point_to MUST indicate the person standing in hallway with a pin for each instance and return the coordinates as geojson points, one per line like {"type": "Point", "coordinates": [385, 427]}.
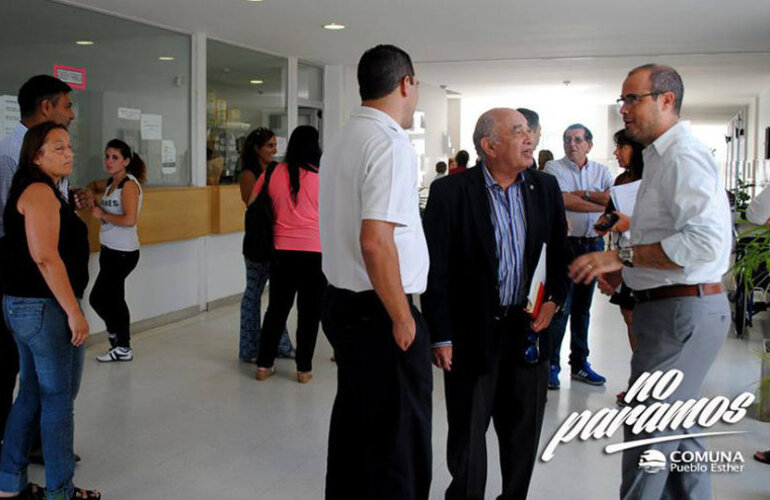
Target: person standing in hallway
{"type": "Point", "coordinates": [46, 273]}
{"type": "Point", "coordinates": [41, 98]}
{"type": "Point", "coordinates": [118, 210]}
{"type": "Point", "coordinates": [681, 237]}
{"type": "Point", "coordinates": [534, 130]}
{"type": "Point", "coordinates": [585, 186]}
{"type": "Point", "coordinates": [257, 154]}
{"type": "Point", "coordinates": [295, 269]}
{"type": "Point", "coordinates": [485, 230]}
{"type": "Point", "coordinates": [460, 162]}
{"type": "Point", "coordinates": [375, 258]}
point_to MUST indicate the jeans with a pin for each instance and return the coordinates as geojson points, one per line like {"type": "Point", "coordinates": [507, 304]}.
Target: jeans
{"type": "Point", "coordinates": [50, 372]}
{"type": "Point", "coordinates": [257, 274]}
{"type": "Point", "coordinates": [577, 305]}
{"type": "Point", "coordinates": [108, 297]}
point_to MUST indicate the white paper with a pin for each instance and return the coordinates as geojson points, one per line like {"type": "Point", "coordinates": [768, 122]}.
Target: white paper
{"type": "Point", "coordinates": [130, 114]}
{"type": "Point", "coordinates": [9, 114]}
{"type": "Point", "coordinates": [152, 127]}
{"type": "Point", "coordinates": [168, 157]}
{"type": "Point", "coordinates": [624, 197]}
{"type": "Point", "coordinates": [538, 282]}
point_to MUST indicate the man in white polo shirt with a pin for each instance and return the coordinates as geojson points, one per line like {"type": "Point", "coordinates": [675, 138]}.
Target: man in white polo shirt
{"type": "Point", "coordinates": [585, 188]}
{"type": "Point", "coordinates": [375, 258]}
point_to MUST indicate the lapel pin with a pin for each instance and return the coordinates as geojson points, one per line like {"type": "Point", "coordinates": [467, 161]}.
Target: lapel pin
{"type": "Point", "coordinates": [531, 187]}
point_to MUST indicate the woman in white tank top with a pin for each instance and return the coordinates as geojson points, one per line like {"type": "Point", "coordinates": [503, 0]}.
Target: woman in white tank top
{"type": "Point", "coordinates": [118, 210]}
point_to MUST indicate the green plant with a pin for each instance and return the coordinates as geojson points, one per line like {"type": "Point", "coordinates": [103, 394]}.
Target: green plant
{"type": "Point", "coordinates": [740, 195]}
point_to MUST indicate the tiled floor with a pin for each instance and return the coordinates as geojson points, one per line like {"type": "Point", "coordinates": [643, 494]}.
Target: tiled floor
{"type": "Point", "coordinates": [186, 420]}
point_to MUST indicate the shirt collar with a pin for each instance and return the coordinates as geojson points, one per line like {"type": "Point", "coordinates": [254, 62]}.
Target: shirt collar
{"type": "Point", "coordinates": [371, 113]}
{"type": "Point", "coordinates": [491, 182]}
{"type": "Point", "coordinates": [574, 165]}
{"type": "Point", "coordinates": [662, 143]}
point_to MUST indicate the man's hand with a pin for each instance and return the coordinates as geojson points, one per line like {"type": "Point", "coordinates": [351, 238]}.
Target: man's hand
{"type": "Point", "coordinates": [588, 267]}
{"type": "Point", "coordinates": [623, 224]}
{"type": "Point", "coordinates": [609, 282]}
{"type": "Point", "coordinates": [544, 317]}
{"type": "Point", "coordinates": [404, 332]}
{"type": "Point", "coordinates": [442, 357]}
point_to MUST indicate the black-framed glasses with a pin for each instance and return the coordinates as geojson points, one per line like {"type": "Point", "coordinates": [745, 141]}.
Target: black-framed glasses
{"type": "Point", "coordinates": [631, 99]}
{"type": "Point", "coordinates": [532, 350]}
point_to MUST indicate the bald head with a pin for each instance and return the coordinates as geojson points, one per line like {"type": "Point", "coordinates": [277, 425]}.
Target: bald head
{"type": "Point", "coordinates": [501, 139]}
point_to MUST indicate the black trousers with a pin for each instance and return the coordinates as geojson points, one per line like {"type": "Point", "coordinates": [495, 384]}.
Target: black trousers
{"type": "Point", "coordinates": [108, 296]}
{"type": "Point", "coordinates": [512, 394]}
{"type": "Point", "coordinates": [380, 432]}
{"type": "Point", "coordinates": [293, 273]}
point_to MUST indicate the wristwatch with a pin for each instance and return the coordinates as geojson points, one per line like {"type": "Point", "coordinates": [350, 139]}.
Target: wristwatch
{"type": "Point", "coordinates": [586, 196]}
{"type": "Point", "coordinates": [627, 256]}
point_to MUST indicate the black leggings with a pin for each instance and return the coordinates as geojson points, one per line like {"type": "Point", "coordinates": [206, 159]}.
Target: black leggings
{"type": "Point", "coordinates": [108, 297]}
{"type": "Point", "coordinates": [293, 273]}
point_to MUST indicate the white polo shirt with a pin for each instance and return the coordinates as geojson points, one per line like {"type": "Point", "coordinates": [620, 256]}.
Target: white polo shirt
{"type": "Point", "coordinates": [681, 204]}
{"type": "Point", "coordinates": [370, 172]}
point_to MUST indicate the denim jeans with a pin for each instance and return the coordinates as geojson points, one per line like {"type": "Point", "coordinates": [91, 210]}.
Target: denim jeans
{"type": "Point", "coordinates": [257, 274]}
{"type": "Point", "coordinates": [578, 306]}
{"type": "Point", "coordinates": [49, 375]}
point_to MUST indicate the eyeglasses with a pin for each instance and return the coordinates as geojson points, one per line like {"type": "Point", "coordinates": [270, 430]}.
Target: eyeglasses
{"type": "Point", "coordinates": [576, 140]}
{"type": "Point", "coordinates": [532, 351]}
{"type": "Point", "coordinates": [632, 99]}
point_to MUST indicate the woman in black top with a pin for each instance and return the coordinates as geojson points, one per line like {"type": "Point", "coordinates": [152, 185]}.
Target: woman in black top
{"type": "Point", "coordinates": [46, 272]}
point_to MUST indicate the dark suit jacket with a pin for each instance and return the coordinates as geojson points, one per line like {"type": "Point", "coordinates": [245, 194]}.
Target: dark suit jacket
{"type": "Point", "coordinates": [462, 295]}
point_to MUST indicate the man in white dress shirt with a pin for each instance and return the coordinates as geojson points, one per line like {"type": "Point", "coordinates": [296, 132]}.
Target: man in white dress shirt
{"type": "Point", "coordinates": [376, 258]}
{"type": "Point", "coordinates": [585, 188]}
{"type": "Point", "coordinates": [680, 248]}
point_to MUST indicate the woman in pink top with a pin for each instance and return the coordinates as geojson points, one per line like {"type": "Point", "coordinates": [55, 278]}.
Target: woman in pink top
{"type": "Point", "coordinates": [296, 265]}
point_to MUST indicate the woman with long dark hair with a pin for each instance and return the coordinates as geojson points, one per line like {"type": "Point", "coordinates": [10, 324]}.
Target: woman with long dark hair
{"type": "Point", "coordinates": [257, 155]}
{"type": "Point", "coordinates": [296, 266]}
{"type": "Point", "coordinates": [118, 210]}
{"type": "Point", "coordinates": [45, 275]}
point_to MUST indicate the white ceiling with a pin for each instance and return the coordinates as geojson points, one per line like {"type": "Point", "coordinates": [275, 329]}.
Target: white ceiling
{"type": "Point", "coordinates": [722, 48]}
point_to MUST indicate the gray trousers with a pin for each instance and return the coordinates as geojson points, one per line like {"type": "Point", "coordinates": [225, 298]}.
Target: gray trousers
{"type": "Point", "coordinates": [683, 333]}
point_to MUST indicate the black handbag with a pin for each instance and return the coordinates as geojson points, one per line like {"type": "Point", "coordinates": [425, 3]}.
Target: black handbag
{"type": "Point", "coordinates": [258, 222]}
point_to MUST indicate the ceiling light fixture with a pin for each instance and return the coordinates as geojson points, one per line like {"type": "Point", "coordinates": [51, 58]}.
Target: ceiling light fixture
{"type": "Point", "coordinates": [334, 26]}
{"type": "Point", "coordinates": [166, 58]}
{"type": "Point", "coordinates": [256, 82]}
{"type": "Point", "coordinates": [84, 42]}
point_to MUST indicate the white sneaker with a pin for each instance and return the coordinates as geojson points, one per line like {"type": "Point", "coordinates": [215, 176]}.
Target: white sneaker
{"type": "Point", "coordinates": [116, 354]}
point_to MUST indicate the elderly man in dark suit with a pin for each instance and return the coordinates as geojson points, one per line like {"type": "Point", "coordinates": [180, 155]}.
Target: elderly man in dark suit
{"type": "Point", "coordinates": [485, 229]}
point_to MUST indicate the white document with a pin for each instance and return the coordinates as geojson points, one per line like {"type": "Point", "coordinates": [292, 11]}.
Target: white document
{"type": "Point", "coordinates": [624, 197]}
{"type": "Point", "coordinates": [537, 287]}
{"type": "Point", "coordinates": [130, 114]}
{"type": "Point", "coordinates": [168, 157]}
{"type": "Point", "coordinates": [152, 127]}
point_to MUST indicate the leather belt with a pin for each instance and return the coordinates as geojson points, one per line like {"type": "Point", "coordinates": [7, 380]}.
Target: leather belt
{"type": "Point", "coordinates": [667, 292]}
{"type": "Point", "coordinates": [584, 240]}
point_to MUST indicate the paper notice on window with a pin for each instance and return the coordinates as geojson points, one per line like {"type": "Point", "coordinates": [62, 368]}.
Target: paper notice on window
{"type": "Point", "coordinates": [9, 114]}
{"type": "Point", "coordinates": [130, 114]}
{"type": "Point", "coordinates": [537, 287]}
{"type": "Point", "coordinates": [168, 157]}
{"type": "Point", "coordinates": [152, 127]}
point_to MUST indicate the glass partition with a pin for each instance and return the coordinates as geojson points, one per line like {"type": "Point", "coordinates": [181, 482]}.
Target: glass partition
{"type": "Point", "coordinates": [132, 82]}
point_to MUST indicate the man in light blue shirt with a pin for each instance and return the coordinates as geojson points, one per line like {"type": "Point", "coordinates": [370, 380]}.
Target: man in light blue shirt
{"type": "Point", "coordinates": [585, 187]}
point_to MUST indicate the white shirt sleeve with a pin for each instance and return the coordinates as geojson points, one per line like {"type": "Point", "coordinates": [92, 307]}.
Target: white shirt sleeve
{"type": "Point", "coordinates": [7, 169]}
{"type": "Point", "coordinates": [552, 168]}
{"type": "Point", "coordinates": [688, 188]}
{"type": "Point", "coordinates": [607, 180]}
{"type": "Point", "coordinates": [758, 210]}
{"type": "Point", "coordinates": [390, 184]}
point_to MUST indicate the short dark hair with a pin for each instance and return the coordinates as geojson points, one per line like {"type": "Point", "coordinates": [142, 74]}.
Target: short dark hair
{"type": "Point", "coordinates": [380, 70]}
{"type": "Point", "coordinates": [462, 157]}
{"type": "Point", "coordinates": [441, 167]}
{"type": "Point", "coordinates": [578, 126]}
{"type": "Point", "coordinates": [664, 79]}
{"type": "Point", "coordinates": [38, 89]}
{"type": "Point", "coordinates": [533, 119]}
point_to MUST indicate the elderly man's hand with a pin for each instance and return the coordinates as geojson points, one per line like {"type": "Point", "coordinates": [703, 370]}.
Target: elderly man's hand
{"type": "Point", "coordinates": [544, 316]}
{"type": "Point", "coordinates": [442, 357]}
{"type": "Point", "coordinates": [609, 282]}
{"type": "Point", "coordinates": [588, 267]}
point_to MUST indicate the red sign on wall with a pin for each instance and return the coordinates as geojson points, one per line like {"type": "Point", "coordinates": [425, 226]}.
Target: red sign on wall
{"type": "Point", "coordinates": [75, 77]}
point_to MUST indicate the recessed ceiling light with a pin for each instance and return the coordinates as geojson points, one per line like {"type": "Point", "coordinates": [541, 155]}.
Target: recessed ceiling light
{"type": "Point", "coordinates": [84, 42]}
{"type": "Point", "coordinates": [256, 82]}
{"type": "Point", "coordinates": [334, 26]}
{"type": "Point", "coordinates": [166, 58]}
{"type": "Point", "coordinates": [255, 0]}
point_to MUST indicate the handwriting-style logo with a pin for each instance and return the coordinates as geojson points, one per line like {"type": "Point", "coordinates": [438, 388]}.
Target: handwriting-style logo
{"type": "Point", "coordinates": [649, 411]}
